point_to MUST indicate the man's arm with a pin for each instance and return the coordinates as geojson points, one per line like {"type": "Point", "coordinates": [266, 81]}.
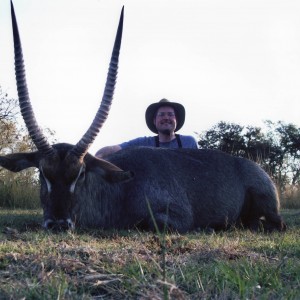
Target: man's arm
{"type": "Point", "coordinates": [105, 151]}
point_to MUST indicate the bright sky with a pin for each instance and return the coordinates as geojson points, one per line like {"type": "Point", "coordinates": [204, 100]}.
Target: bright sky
{"type": "Point", "coordinates": [233, 60]}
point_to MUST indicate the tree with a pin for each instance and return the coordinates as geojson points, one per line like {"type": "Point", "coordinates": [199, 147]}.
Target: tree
{"type": "Point", "coordinates": [224, 136]}
{"type": "Point", "coordinates": [286, 140]}
{"type": "Point", "coordinates": [8, 107]}
{"type": "Point", "coordinates": [249, 141]}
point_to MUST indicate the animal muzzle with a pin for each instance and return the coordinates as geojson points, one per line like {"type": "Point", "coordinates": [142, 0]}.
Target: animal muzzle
{"type": "Point", "coordinates": [59, 225]}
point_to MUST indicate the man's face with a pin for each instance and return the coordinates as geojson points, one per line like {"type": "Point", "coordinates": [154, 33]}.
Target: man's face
{"type": "Point", "coordinates": [165, 120]}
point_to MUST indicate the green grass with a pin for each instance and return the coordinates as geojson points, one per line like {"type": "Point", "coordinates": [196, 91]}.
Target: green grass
{"type": "Point", "coordinates": [97, 264]}
{"type": "Point", "coordinates": [14, 194]}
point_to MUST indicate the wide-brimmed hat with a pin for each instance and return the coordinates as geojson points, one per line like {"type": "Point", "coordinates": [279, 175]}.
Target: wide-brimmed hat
{"type": "Point", "coordinates": [152, 109]}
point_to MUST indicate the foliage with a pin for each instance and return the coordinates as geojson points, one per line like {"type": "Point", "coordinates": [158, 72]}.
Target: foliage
{"type": "Point", "coordinates": [97, 264]}
{"type": "Point", "coordinates": [8, 107]}
{"type": "Point", "coordinates": [8, 114]}
{"type": "Point", "coordinates": [277, 148]}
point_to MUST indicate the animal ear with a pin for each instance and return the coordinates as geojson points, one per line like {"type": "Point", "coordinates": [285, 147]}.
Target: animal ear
{"type": "Point", "coordinates": [118, 176]}
{"type": "Point", "coordinates": [17, 162]}
{"type": "Point", "coordinates": [95, 162]}
{"type": "Point", "coordinates": [110, 171]}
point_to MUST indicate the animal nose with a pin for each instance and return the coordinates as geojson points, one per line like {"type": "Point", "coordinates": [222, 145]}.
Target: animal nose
{"type": "Point", "coordinates": [59, 225]}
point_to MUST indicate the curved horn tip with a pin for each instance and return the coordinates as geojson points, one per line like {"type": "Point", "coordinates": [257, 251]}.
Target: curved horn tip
{"type": "Point", "coordinates": [12, 7]}
{"type": "Point", "coordinates": [122, 13]}
{"type": "Point", "coordinates": [12, 10]}
{"type": "Point", "coordinates": [80, 149]}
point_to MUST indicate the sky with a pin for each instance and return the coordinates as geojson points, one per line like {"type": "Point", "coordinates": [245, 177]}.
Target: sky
{"type": "Point", "coordinates": [235, 61]}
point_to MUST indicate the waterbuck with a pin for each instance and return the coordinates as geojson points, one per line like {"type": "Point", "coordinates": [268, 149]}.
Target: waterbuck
{"type": "Point", "coordinates": [181, 189]}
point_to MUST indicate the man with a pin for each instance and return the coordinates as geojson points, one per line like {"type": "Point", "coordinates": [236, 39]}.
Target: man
{"type": "Point", "coordinates": [163, 118]}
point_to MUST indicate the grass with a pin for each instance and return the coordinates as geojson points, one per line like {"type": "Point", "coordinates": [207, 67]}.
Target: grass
{"type": "Point", "coordinates": [97, 264]}
{"type": "Point", "coordinates": [14, 194]}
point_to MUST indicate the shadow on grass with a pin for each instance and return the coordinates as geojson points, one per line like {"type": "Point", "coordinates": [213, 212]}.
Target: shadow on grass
{"type": "Point", "coordinates": [20, 219]}
{"type": "Point", "coordinates": [31, 220]}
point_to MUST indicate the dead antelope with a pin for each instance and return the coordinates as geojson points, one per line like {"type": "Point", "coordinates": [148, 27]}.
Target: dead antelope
{"type": "Point", "coordinates": [182, 189]}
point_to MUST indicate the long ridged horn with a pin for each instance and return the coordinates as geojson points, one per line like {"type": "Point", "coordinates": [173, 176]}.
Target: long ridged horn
{"type": "Point", "coordinates": [35, 132]}
{"type": "Point", "coordinates": [82, 146]}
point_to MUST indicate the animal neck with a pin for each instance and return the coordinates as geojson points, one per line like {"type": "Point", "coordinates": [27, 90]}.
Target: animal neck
{"type": "Point", "coordinates": [101, 207]}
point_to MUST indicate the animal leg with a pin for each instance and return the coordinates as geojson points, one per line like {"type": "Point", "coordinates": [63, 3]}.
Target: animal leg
{"type": "Point", "coordinates": [260, 211]}
{"type": "Point", "coordinates": [273, 221]}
